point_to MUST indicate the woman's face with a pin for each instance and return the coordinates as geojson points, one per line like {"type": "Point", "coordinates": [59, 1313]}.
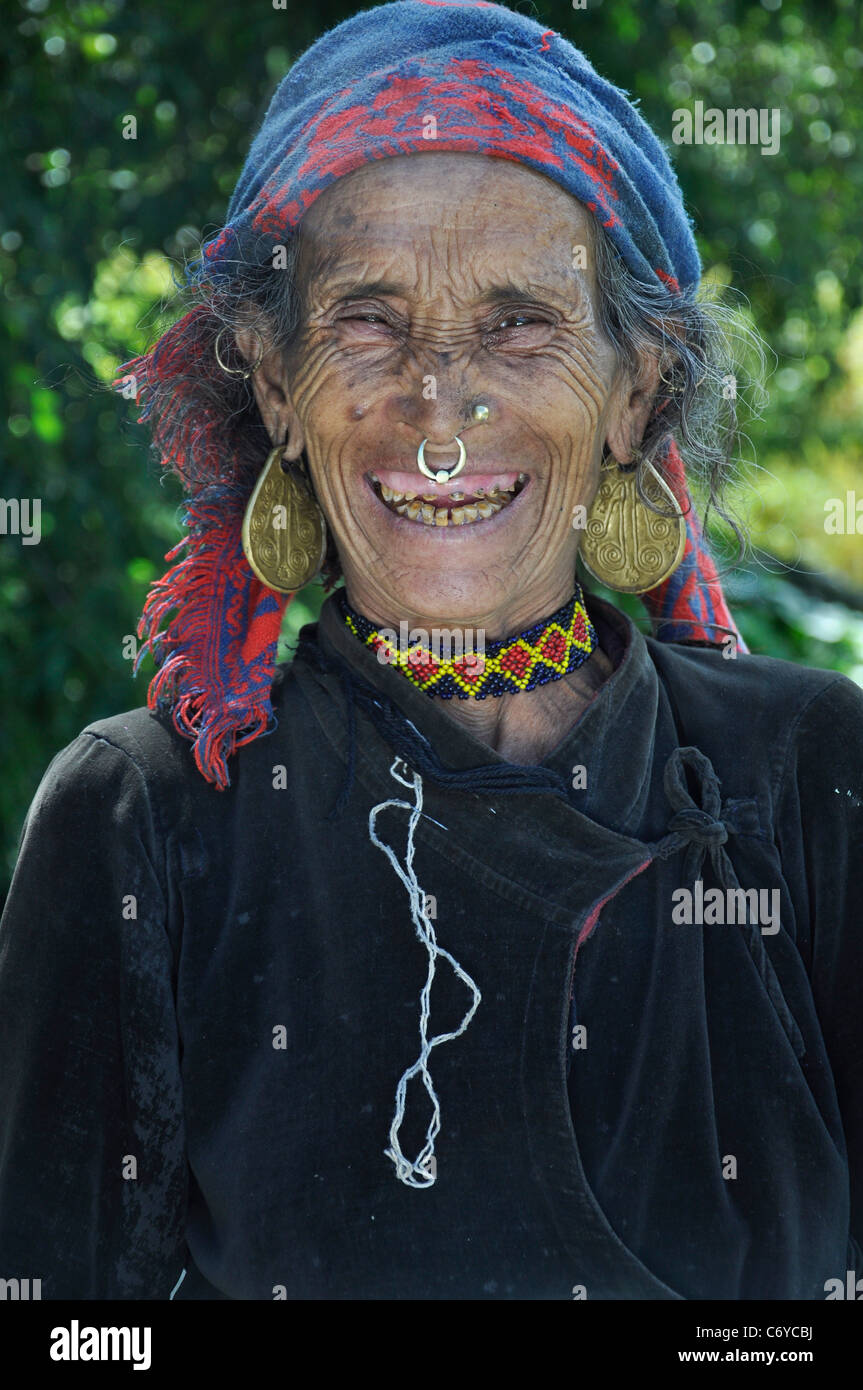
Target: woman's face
{"type": "Point", "coordinates": [429, 282]}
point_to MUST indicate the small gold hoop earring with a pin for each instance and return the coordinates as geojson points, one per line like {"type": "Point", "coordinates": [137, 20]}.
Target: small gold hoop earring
{"type": "Point", "coordinates": [243, 372]}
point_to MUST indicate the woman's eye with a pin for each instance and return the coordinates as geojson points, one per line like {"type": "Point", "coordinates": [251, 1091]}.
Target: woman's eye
{"type": "Point", "coordinates": [366, 325]}
{"type": "Point", "coordinates": [363, 316]}
{"type": "Point", "coordinates": [520, 328]}
{"type": "Point", "coordinates": [516, 321]}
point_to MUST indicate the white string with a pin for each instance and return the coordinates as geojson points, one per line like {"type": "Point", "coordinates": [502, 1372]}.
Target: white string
{"type": "Point", "coordinates": [422, 1171]}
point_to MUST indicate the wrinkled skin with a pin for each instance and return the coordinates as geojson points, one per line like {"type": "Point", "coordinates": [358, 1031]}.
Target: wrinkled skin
{"type": "Point", "coordinates": [457, 268]}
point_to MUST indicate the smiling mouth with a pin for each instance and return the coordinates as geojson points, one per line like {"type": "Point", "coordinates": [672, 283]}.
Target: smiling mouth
{"type": "Point", "coordinates": [458, 503]}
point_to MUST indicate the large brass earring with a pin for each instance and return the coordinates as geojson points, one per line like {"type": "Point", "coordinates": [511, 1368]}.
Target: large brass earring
{"type": "Point", "coordinates": [626, 545]}
{"type": "Point", "coordinates": [284, 531]}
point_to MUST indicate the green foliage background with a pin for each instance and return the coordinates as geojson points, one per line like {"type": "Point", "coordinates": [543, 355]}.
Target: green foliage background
{"type": "Point", "coordinates": [92, 222]}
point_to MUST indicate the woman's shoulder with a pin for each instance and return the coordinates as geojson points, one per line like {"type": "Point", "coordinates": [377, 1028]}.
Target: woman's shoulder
{"type": "Point", "coordinates": [765, 685]}
{"type": "Point", "coordinates": [141, 751]}
{"type": "Point", "coordinates": [749, 706]}
{"type": "Point", "coordinates": [138, 740]}
{"type": "Point", "coordinates": [129, 767]}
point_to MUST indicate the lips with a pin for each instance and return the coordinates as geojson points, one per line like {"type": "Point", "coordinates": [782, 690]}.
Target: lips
{"type": "Point", "coordinates": [463, 501]}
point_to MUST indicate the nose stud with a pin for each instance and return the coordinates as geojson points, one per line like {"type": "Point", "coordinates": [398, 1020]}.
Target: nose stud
{"type": "Point", "coordinates": [480, 414]}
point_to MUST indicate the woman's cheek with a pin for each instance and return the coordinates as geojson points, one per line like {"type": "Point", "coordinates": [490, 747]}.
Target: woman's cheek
{"type": "Point", "coordinates": [334, 396]}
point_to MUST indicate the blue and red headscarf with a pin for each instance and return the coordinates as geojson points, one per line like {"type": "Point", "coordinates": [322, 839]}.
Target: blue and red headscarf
{"type": "Point", "coordinates": [495, 83]}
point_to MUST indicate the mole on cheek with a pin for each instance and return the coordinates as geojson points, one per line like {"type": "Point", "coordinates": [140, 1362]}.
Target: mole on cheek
{"type": "Point", "coordinates": [357, 412]}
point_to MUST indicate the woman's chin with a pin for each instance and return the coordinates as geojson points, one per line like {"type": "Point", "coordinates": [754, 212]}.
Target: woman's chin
{"type": "Point", "coordinates": [452, 573]}
{"type": "Point", "coordinates": [431, 605]}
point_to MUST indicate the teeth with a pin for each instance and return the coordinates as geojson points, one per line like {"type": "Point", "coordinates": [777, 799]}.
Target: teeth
{"type": "Point", "coordinates": [421, 506]}
{"type": "Point", "coordinates": [488, 503]}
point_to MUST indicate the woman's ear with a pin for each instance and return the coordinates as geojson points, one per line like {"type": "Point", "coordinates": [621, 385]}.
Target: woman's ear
{"type": "Point", "coordinates": [272, 391]}
{"type": "Point", "coordinates": [631, 408]}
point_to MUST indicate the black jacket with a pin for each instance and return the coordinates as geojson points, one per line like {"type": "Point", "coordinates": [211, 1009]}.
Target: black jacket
{"type": "Point", "coordinates": [208, 999]}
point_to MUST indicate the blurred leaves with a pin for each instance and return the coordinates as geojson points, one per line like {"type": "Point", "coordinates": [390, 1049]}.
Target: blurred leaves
{"type": "Point", "coordinates": [125, 128]}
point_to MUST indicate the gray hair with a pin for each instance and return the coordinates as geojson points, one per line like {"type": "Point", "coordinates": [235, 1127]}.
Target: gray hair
{"type": "Point", "coordinates": [710, 359]}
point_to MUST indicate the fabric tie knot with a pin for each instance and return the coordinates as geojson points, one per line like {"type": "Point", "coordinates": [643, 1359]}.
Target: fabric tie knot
{"type": "Point", "coordinates": [699, 827]}
{"type": "Point", "coordinates": [700, 830]}
{"type": "Point", "coordinates": [704, 830]}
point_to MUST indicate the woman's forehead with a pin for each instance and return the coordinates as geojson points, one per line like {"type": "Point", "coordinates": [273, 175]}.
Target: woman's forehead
{"type": "Point", "coordinates": [440, 185]}
{"type": "Point", "coordinates": [445, 210]}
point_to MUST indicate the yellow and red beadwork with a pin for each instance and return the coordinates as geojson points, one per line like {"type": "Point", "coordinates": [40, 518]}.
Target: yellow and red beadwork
{"type": "Point", "coordinates": [545, 652]}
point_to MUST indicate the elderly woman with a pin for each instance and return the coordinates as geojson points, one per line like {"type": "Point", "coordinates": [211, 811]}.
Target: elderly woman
{"type": "Point", "coordinates": [519, 959]}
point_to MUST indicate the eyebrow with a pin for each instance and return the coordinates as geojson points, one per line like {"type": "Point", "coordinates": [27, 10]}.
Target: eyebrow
{"type": "Point", "coordinates": [503, 293]}
{"type": "Point", "coordinates": [367, 289]}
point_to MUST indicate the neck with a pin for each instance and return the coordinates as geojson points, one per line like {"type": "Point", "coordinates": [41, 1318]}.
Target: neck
{"type": "Point", "coordinates": [511, 614]}
{"type": "Point", "coordinates": [523, 724]}
{"type": "Point", "coordinates": [525, 728]}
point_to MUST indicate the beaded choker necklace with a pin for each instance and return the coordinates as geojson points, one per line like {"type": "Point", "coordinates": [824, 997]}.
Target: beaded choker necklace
{"type": "Point", "coordinates": [545, 652]}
